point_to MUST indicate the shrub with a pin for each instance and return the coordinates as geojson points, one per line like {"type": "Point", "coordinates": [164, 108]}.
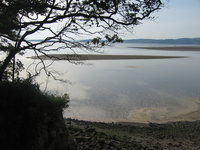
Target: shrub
{"type": "Point", "coordinates": [30, 119]}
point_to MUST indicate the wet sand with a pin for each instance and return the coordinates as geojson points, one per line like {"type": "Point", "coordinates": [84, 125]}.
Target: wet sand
{"type": "Point", "coordinates": [100, 57]}
{"type": "Point", "coordinates": [171, 48]}
{"type": "Point", "coordinates": [191, 116]}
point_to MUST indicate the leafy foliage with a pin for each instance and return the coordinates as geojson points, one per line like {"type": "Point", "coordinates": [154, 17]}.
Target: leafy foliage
{"type": "Point", "coordinates": [8, 73]}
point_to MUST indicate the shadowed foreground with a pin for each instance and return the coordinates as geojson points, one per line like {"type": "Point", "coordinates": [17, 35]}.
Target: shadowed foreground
{"type": "Point", "coordinates": [31, 120]}
{"type": "Point", "coordinates": [112, 136]}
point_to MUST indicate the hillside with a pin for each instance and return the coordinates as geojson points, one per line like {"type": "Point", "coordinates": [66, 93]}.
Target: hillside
{"type": "Point", "coordinates": [195, 41]}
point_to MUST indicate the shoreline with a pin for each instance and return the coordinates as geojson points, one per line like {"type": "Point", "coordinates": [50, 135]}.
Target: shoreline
{"type": "Point", "coordinates": [192, 116]}
{"type": "Point", "coordinates": [100, 135]}
{"type": "Point", "coordinates": [81, 57]}
{"type": "Point", "coordinates": [136, 124]}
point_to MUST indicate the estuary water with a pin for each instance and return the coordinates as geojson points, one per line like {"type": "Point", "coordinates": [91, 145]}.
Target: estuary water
{"type": "Point", "coordinates": [137, 90]}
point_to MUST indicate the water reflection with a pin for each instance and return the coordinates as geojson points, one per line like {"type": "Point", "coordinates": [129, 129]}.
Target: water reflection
{"type": "Point", "coordinates": [131, 90]}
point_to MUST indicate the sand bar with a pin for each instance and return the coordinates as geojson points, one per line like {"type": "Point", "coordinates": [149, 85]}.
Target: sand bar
{"type": "Point", "coordinates": [172, 48]}
{"type": "Point", "coordinates": [100, 57]}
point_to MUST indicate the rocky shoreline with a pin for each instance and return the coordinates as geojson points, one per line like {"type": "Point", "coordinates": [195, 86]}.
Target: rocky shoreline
{"type": "Point", "coordinates": [118, 136]}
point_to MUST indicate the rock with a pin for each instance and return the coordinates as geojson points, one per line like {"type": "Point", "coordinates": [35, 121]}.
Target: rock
{"type": "Point", "coordinates": [91, 130]}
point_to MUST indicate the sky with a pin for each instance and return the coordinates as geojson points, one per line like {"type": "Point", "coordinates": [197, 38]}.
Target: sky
{"type": "Point", "coordinates": [178, 19]}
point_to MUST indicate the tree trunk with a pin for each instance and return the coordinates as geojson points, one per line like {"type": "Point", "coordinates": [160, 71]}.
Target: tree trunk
{"type": "Point", "coordinates": [13, 69]}
{"type": "Point", "coordinates": [6, 62]}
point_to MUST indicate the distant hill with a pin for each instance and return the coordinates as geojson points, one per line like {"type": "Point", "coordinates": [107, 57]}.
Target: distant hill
{"type": "Point", "coordinates": [195, 41]}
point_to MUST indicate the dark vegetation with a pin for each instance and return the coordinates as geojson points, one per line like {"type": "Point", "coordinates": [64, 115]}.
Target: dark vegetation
{"type": "Point", "coordinates": [30, 119]}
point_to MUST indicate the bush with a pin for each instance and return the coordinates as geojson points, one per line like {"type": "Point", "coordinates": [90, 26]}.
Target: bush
{"type": "Point", "coordinates": [30, 119]}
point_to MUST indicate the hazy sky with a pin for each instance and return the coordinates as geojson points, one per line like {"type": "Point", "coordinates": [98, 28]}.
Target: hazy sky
{"type": "Point", "coordinates": [178, 19]}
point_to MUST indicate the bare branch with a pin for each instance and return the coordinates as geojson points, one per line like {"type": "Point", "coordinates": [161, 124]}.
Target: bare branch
{"type": "Point", "coordinates": [60, 21]}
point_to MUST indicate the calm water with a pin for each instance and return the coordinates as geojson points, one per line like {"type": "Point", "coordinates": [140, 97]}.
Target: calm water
{"type": "Point", "coordinates": [156, 90]}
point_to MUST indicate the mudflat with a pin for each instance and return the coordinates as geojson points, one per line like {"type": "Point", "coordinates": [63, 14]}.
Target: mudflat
{"type": "Point", "coordinates": [100, 57]}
